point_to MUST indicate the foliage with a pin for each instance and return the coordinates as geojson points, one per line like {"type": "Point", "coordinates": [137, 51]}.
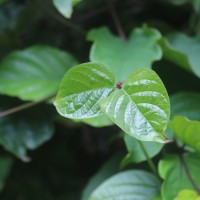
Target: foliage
{"type": "Point", "coordinates": [105, 91]}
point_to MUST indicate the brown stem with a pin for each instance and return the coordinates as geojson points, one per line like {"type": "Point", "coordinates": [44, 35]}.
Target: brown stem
{"type": "Point", "coordinates": [23, 107]}
{"type": "Point", "coordinates": [116, 20]}
{"type": "Point", "coordinates": [196, 187]}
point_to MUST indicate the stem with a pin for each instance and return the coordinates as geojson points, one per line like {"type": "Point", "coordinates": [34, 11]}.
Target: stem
{"type": "Point", "coordinates": [116, 21]}
{"type": "Point", "coordinates": [23, 107]}
{"type": "Point", "coordinates": [188, 174]}
{"type": "Point", "coordinates": [150, 162]}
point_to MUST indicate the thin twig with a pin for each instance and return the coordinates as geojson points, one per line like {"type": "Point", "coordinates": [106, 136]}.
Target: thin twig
{"type": "Point", "coordinates": [196, 187]}
{"type": "Point", "coordinates": [23, 107]}
{"type": "Point", "coordinates": [116, 20]}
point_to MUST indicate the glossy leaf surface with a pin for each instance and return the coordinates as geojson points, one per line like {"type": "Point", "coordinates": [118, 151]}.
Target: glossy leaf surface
{"type": "Point", "coordinates": [65, 7]}
{"type": "Point", "coordinates": [141, 108]}
{"type": "Point", "coordinates": [25, 130]}
{"type": "Point", "coordinates": [81, 90]}
{"type": "Point", "coordinates": [183, 51]}
{"type": "Point", "coordinates": [124, 57]}
{"type": "Point", "coordinates": [172, 170]}
{"type": "Point", "coordinates": [34, 73]}
{"type": "Point", "coordinates": [135, 184]}
{"type": "Point", "coordinates": [187, 131]}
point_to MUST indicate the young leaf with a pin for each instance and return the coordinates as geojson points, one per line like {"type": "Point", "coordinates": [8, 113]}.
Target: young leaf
{"type": "Point", "coordinates": [65, 7]}
{"type": "Point", "coordinates": [124, 57]}
{"type": "Point", "coordinates": [135, 152]}
{"type": "Point", "coordinates": [187, 195]}
{"type": "Point", "coordinates": [188, 132]}
{"type": "Point", "coordinates": [141, 108]}
{"type": "Point", "coordinates": [183, 51]}
{"type": "Point", "coordinates": [134, 184]}
{"type": "Point", "coordinates": [81, 90]}
{"type": "Point", "coordinates": [34, 73]}
{"type": "Point", "coordinates": [172, 170]}
{"type": "Point", "coordinates": [25, 130]}
{"type": "Point", "coordinates": [186, 104]}
{"type": "Point", "coordinates": [5, 167]}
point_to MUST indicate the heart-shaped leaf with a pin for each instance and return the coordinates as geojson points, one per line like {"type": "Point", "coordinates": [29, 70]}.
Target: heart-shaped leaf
{"type": "Point", "coordinates": [34, 73]}
{"type": "Point", "coordinates": [135, 184]}
{"type": "Point", "coordinates": [187, 131]}
{"type": "Point", "coordinates": [183, 51]}
{"type": "Point", "coordinates": [81, 90]}
{"type": "Point", "coordinates": [124, 57]}
{"type": "Point", "coordinates": [141, 108]}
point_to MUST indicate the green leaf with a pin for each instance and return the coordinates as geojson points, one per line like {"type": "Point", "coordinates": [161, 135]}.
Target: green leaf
{"type": "Point", "coordinates": [141, 108]}
{"type": "Point", "coordinates": [81, 90]}
{"type": "Point", "coordinates": [178, 2]}
{"type": "Point", "coordinates": [135, 152]}
{"type": "Point", "coordinates": [196, 5]}
{"type": "Point", "coordinates": [25, 130]}
{"type": "Point", "coordinates": [172, 170]}
{"type": "Point", "coordinates": [186, 104]}
{"type": "Point", "coordinates": [188, 132]}
{"type": "Point", "coordinates": [107, 170]}
{"type": "Point", "coordinates": [65, 7]}
{"type": "Point", "coordinates": [34, 73]}
{"type": "Point", "coordinates": [187, 195]}
{"type": "Point", "coordinates": [100, 121]}
{"type": "Point", "coordinates": [183, 51]}
{"type": "Point", "coordinates": [134, 184]}
{"type": "Point", "coordinates": [5, 167]}
{"type": "Point", "coordinates": [124, 57]}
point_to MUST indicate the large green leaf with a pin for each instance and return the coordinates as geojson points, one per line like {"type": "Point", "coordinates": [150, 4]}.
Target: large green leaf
{"type": "Point", "coordinates": [135, 152]}
{"type": "Point", "coordinates": [173, 172]}
{"type": "Point", "coordinates": [135, 184]}
{"type": "Point", "coordinates": [124, 57]}
{"type": "Point", "coordinates": [186, 104]}
{"type": "Point", "coordinates": [81, 90]}
{"type": "Point", "coordinates": [34, 73]}
{"type": "Point", "coordinates": [141, 108]}
{"type": "Point", "coordinates": [107, 170]}
{"type": "Point", "coordinates": [183, 51]}
{"type": "Point", "coordinates": [25, 130]}
{"type": "Point", "coordinates": [65, 7]}
{"type": "Point", "coordinates": [187, 131]}
{"type": "Point", "coordinates": [5, 167]}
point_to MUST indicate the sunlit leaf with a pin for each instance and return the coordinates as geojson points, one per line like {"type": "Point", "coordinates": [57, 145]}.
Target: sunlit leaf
{"type": "Point", "coordinates": [81, 90]}
{"type": "Point", "coordinates": [187, 195]}
{"type": "Point", "coordinates": [124, 57]}
{"type": "Point", "coordinates": [141, 108]}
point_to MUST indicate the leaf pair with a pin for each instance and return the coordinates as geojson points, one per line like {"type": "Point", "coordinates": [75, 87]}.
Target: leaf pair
{"type": "Point", "coordinates": [140, 107]}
